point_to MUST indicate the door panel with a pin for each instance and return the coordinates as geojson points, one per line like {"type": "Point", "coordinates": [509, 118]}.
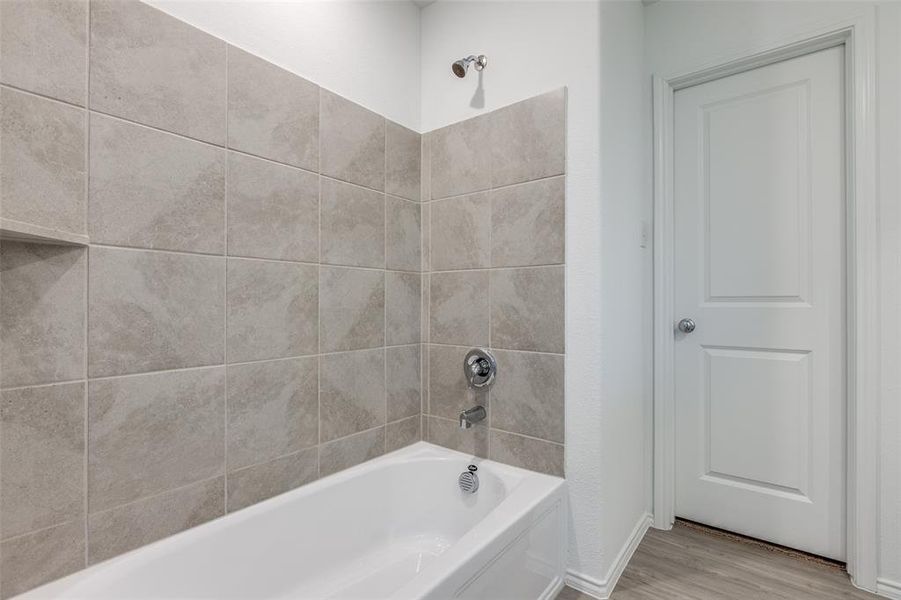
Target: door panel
{"type": "Point", "coordinates": [759, 258]}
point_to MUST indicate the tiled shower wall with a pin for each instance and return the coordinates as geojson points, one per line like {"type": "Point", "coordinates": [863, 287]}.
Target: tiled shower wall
{"type": "Point", "coordinates": [246, 316]}
{"type": "Point", "coordinates": [493, 254]}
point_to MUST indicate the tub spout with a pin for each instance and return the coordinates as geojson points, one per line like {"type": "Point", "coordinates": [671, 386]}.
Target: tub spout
{"type": "Point", "coordinates": [472, 415]}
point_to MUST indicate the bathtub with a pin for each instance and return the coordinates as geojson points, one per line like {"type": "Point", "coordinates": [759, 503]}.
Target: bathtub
{"type": "Point", "coordinates": [397, 527]}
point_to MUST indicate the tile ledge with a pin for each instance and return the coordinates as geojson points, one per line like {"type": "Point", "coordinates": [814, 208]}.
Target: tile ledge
{"type": "Point", "coordinates": [17, 231]}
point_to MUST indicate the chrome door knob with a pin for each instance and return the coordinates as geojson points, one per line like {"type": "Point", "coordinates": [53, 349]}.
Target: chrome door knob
{"type": "Point", "coordinates": [686, 326]}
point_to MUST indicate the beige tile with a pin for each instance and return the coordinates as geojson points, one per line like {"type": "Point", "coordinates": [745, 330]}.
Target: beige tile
{"type": "Point", "coordinates": [352, 450]}
{"type": "Point", "coordinates": [458, 308]}
{"type": "Point", "coordinates": [151, 433]}
{"type": "Point", "coordinates": [448, 433]}
{"type": "Point", "coordinates": [528, 139]}
{"type": "Point", "coordinates": [273, 409]}
{"type": "Point", "coordinates": [403, 247]}
{"type": "Point", "coordinates": [403, 296]}
{"type": "Point", "coordinates": [137, 524]}
{"type": "Point", "coordinates": [351, 308]}
{"type": "Point", "coordinates": [273, 210]}
{"type": "Point", "coordinates": [527, 309]}
{"type": "Point", "coordinates": [41, 457]}
{"type": "Point", "coordinates": [426, 168]}
{"type": "Point", "coordinates": [272, 309]}
{"type": "Point", "coordinates": [426, 219]}
{"type": "Point", "coordinates": [460, 232]}
{"type": "Point", "coordinates": [149, 67]}
{"type": "Point", "coordinates": [259, 482]}
{"type": "Point", "coordinates": [41, 313]}
{"type": "Point", "coordinates": [43, 47]}
{"type": "Point", "coordinates": [424, 378]}
{"type": "Point", "coordinates": [528, 398]}
{"type": "Point", "coordinates": [528, 453]}
{"type": "Point", "coordinates": [352, 142]}
{"type": "Point", "coordinates": [402, 161]}
{"type": "Point", "coordinates": [449, 392]}
{"type": "Point", "coordinates": [152, 189]}
{"type": "Point", "coordinates": [352, 393]}
{"type": "Point", "coordinates": [271, 112]}
{"type": "Point", "coordinates": [150, 311]}
{"type": "Point", "coordinates": [403, 433]}
{"type": "Point", "coordinates": [37, 558]}
{"type": "Point", "coordinates": [353, 225]}
{"type": "Point", "coordinates": [42, 169]}
{"type": "Point", "coordinates": [527, 224]}
{"type": "Point", "coordinates": [425, 310]}
{"type": "Point", "coordinates": [460, 158]}
{"type": "Point", "coordinates": [403, 381]}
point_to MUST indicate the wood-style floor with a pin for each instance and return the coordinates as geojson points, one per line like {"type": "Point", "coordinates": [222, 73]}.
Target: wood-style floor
{"type": "Point", "coordinates": [691, 562]}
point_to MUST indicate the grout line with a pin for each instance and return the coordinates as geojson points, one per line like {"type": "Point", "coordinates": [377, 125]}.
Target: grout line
{"type": "Point", "coordinates": [513, 268]}
{"type": "Point", "coordinates": [34, 94]}
{"type": "Point", "coordinates": [87, 287]}
{"type": "Point", "coordinates": [496, 188]}
{"type": "Point", "coordinates": [464, 346]}
{"type": "Point", "coordinates": [225, 302]}
{"type": "Point", "coordinates": [275, 458]}
{"type": "Point", "coordinates": [319, 288]}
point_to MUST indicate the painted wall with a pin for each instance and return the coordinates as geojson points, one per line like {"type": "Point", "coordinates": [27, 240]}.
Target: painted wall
{"type": "Point", "coordinates": [685, 36]}
{"type": "Point", "coordinates": [367, 52]}
{"type": "Point", "coordinates": [534, 47]}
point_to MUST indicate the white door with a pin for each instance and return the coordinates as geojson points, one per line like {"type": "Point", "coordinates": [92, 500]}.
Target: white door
{"type": "Point", "coordinates": [759, 267]}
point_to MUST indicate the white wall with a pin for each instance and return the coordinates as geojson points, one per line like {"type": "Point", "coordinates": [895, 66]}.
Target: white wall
{"type": "Point", "coordinates": [534, 47]}
{"type": "Point", "coordinates": [685, 36]}
{"type": "Point", "coordinates": [367, 52]}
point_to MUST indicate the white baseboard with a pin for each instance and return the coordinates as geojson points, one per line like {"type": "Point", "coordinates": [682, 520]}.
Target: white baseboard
{"type": "Point", "coordinates": [603, 588]}
{"type": "Point", "coordinates": [888, 588]}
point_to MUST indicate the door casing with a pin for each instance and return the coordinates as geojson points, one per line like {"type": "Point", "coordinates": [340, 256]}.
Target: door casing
{"type": "Point", "coordinates": [861, 262]}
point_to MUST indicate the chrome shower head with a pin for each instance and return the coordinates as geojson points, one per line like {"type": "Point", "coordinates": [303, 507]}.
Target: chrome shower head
{"type": "Point", "coordinates": [461, 66]}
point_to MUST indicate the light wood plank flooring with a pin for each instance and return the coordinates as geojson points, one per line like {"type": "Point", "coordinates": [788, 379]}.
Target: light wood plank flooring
{"type": "Point", "coordinates": [691, 562]}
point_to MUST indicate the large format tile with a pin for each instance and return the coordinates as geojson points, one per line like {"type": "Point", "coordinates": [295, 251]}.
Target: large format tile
{"type": "Point", "coordinates": [403, 297]}
{"type": "Point", "coordinates": [152, 189]}
{"type": "Point", "coordinates": [151, 311]}
{"type": "Point", "coordinates": [353, 225]}
{"type": "Point", "coordinates": [124, 528]}
{"type": "Point", "coordinates": [351, 309]}
{"type": "Point", "coordinates": [460, 232]}
{"type": "Point", "coordinates": [271, 112]}
{"type": "Point", "coordinates": [257, 483]}
{"type": "Point", "coordinates": [528, 453]}
{"type": "Point", "coordinates": [403, 433]}
{"type": "Point", "coordinates": [149, 67]}
{"type": "Point", "coordinates": [402, 374]}
{"type": "Point", "coordinates": [402, 162]}
{"type": "Point", "coordinates": [352, 450]}
{"type": "Point", "coordinates": [41, 457]}
{"type": "Point", "coordinates": [43, 47]}
{"type": "Point", "coordinates": [527, 224]}
{"type": "Point", "coordinates": [272, 309]}
{"type": "Point", "coordinates": [447, 433]}
{"type": "Point", "coordinates": [403, 244]}
{"type": "Point", "coordinates": [153, 433]}
{"type": "Point", "coordinates": [41, 313]}
{"type": "Point", "coordinates": [449, 392]}
{"type": "Point", "coordinates": [460, 158]}
{"type": "Point", "coordinates": [37, 558]}
{"type": "Point", "coordinates": [352, 393]}
{"type": "Point", "coordinates": [528, 139]}
{"type": "Point", "coordinates": [458, 310]}
{"type": "Point", "coordinates": [42, 168]}
{"type": "Point", "coordinates": [273, 210]}
{"type": "Point", "coordinates": [528, 399]}
{"type": "Point", "coordinates": [273, 409]}
{"type": "Point", "coordinates": [527, 309]}
{"type": "Point", "coordinates": [352, 142]}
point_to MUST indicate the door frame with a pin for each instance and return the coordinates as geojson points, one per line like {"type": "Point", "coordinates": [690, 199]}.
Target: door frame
{"type": "Point", "coordinates": [862, 352]}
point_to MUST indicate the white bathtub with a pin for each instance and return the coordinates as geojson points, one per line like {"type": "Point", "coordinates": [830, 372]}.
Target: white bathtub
{"type": "Point", "coordinates": [396, 527]}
